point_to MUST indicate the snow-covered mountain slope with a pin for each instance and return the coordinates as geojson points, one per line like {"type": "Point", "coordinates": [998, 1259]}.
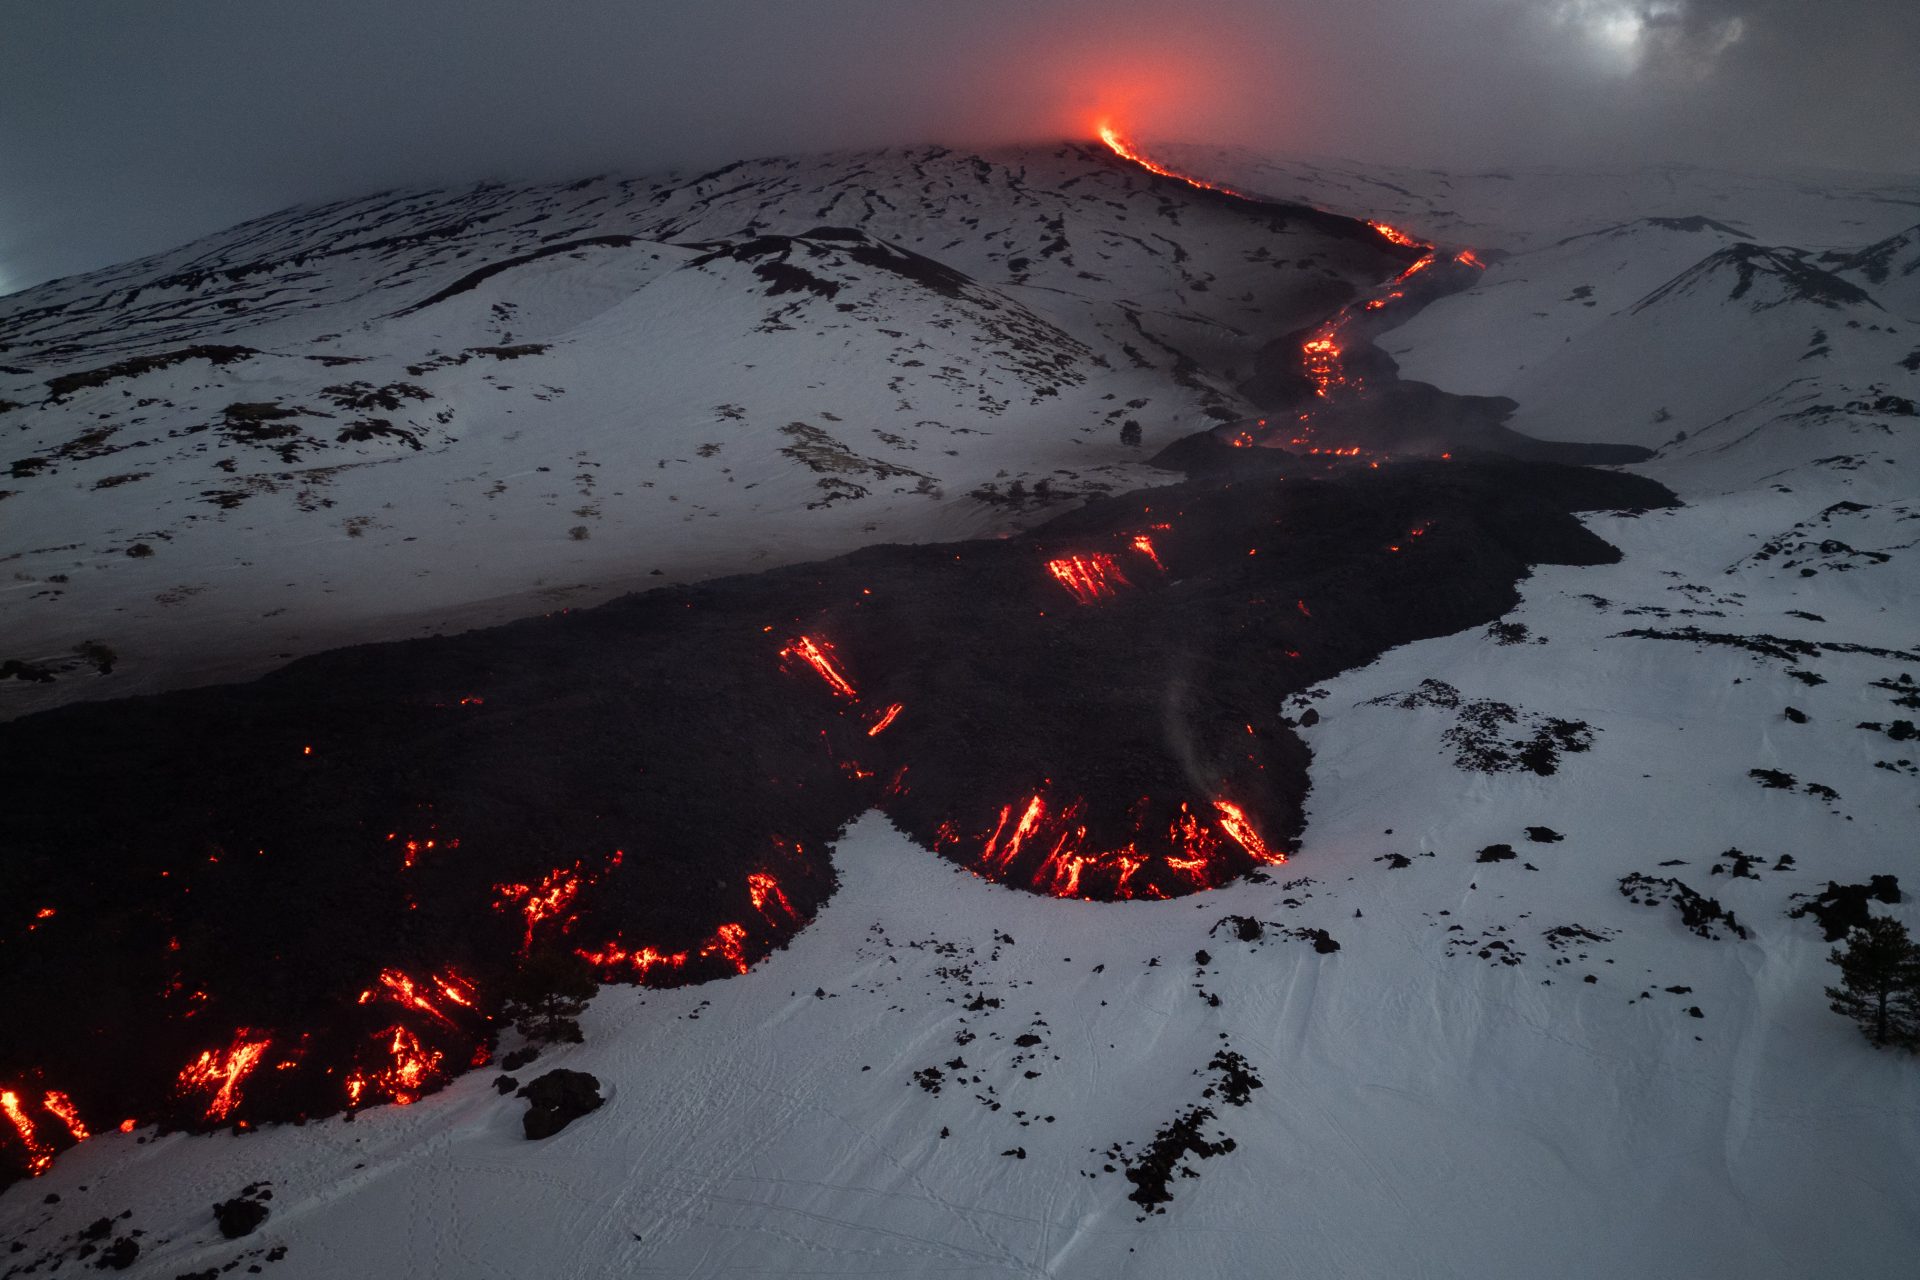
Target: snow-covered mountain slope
{"type": "Point", "coordinates": [1518, 209]}
{"type": "Point", "coordinates": [1572, 1026]}
{"type": "Point", "coordinates": [944, 1077]}
{"type": "Point", "coordinates": [447, 407]}
{"type": "Point", "coordinates": [1889, 269]}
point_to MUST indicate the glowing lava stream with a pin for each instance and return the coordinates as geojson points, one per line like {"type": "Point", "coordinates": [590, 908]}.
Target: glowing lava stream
{"type": "Point", "coordinates": [1124, 148]}
{"type": "Point", "coordinates": [1321, 352]}
{"type": "Point", "coordinates": [39, 1153]}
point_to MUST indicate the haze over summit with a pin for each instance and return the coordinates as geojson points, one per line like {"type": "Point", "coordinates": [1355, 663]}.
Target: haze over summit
{"type": "Point", "coordinates": [130, 128]}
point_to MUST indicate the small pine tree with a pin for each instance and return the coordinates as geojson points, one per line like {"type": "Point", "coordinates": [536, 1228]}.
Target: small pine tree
{"type": "Point", "coordinates": [1880, 983]}
{"type": "Point", "coordinates": [548, 993]}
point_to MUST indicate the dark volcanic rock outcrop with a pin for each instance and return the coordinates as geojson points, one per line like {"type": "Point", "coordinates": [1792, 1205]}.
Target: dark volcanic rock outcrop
{"type": "Point", "coordinates": [557, 1099]}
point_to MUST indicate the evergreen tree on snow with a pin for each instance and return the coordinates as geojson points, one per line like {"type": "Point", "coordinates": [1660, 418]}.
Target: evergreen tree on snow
{"type": "Point", "coordinates": [1880, 983]}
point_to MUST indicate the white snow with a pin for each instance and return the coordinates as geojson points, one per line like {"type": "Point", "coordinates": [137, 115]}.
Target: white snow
{"type": "Point", "coordinates": [1421, 1114]}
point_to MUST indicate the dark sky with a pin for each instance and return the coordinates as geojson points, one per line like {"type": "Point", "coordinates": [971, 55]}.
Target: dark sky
{"type": "Point", "coordinates": [129, 126]}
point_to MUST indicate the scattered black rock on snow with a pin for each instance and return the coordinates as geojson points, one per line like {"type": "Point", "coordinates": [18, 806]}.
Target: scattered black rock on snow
{"type": "Point", "coordinates": [1842, 907]}
{"type": "Point", "coordinates": [1479, 737]}
{"type": "Point", "coordinates": [558, 1098]}
{"type": "Point", "coordinates": [242, 1215]}
{"type": "Point", "coordinates": [1698, 912]}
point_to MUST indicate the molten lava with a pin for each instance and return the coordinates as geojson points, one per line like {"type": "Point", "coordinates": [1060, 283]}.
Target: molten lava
{"type": "Point", "coordinates": [62, 1106]}
{"type": "Point", "coordinates": [729, 941]}
{"type": "Point", "coordinates": [217, 1073]}
{"type": "Point", "coordinates": [1233, 821]}
{"type": "Point", "coordinates": [1144, 545]}
{"type": "Point", "coordinates": [1415, 269]}
{"type": "Point", "coordinates": [411, 1067]}
{"type": "Point", "coordinates": [1088, 578]}
{"type": "Point", "coordinates": [402, 990]}
{"type": "Point", "coordinates": [611, 958]}
{"type": "Point", "coordinates": [818, 654]}
{"type": "Point", "coordinates": [1323, 367]}
{"type": "Point", "coordinates": [39, 1154]}
{"type": "Point", "coordinates": [550, 899]}
{"type": "Point", "coordinates": [1121, 146]}
{"type": "Point", "coordinates": [1060, 861]}
{"type": "Point", "coordinates": [762, 888]}
{"type": "Point", "coordinates": [1397, 236]}
{"type": "Point", "coordinates": [886, 718]}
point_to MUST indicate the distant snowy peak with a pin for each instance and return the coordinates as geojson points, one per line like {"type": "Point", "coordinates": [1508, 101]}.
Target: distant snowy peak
{"type": "Point", "coordinates": [1763, 277]}
{"type": "Point", "coordinates": [1891, 268]}
{"type": "Point", "coordinates": [1693, 225]}
{"type": "Point", "coordinates": [1896, 256]}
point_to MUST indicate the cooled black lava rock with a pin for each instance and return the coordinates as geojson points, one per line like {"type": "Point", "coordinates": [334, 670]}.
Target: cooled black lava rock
{"type": "Point", "coordinates": [119, 1255]}
{"type": "Point", "coordinates": [239, 1217]}
{"type": "Point", "coordinates": [660, 749]}
{"type": "Point", "coordinates": [557, 1099]}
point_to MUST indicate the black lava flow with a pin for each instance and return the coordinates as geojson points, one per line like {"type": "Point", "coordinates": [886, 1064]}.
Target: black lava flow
{"type": "Point", "coordinates": [194, 871]}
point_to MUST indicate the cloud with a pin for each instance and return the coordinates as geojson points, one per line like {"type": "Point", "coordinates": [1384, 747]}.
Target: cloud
{"type": "Point", "coordinates": [132, 126]}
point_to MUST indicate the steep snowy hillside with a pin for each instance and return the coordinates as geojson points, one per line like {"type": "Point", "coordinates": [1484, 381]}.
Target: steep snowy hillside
{"type": "Point", "coordinates": [1536, 989]}
{"type": "Point", "coordinates": [452, 407]}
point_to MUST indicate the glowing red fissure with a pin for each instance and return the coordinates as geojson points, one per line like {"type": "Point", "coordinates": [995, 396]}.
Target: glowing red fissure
{"type": "Point", "coordinates": [886, 718]}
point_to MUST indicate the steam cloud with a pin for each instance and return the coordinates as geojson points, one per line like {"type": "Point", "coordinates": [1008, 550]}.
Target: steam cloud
{"type": "Point", "coordinates": [131, 127]}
